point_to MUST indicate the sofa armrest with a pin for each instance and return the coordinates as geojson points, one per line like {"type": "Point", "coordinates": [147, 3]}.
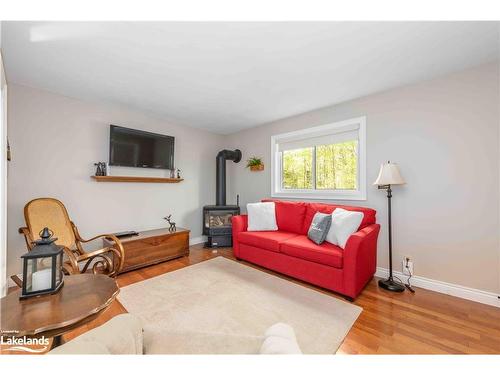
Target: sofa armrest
{"type": "Point", "coordinates": [123, 334]}
{"type": "Point", "coordinates": [239, 224]}
{"type": "Point", "coordinates": [360, 259]}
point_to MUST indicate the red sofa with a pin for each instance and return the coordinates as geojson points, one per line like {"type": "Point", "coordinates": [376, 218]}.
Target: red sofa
{"type": "Point", "coordinates": [290, 252]}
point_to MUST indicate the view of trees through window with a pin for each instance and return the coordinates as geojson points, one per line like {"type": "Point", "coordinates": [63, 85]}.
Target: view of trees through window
{"type": "Point", "coordinates": [297, 168]}
{"type": "Point", "coordinates": [336, 167]}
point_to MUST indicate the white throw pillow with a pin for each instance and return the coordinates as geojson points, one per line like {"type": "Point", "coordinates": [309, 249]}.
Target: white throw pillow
{"type": "Point", "coordinates": [280, 339]}
{"type": "Point", "coordinates": [261, 217]}
{"type": "Point", "coordinates": [344, 223]}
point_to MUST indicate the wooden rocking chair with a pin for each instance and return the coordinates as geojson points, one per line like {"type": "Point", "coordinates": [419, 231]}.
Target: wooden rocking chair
{"type": "Point", "coordinates": [51, 213]}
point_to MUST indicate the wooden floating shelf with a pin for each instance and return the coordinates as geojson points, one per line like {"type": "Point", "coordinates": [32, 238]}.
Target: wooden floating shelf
{"type": "Point", "coordinates": [163, 180]}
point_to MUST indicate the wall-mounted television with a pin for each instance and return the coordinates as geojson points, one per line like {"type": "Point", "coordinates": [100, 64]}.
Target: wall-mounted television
{"type": "Point", "coordinates": [137, 148]}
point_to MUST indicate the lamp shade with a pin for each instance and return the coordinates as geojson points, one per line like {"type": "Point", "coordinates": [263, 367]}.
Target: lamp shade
{"type": "Point", "coordinates": [389, 175]}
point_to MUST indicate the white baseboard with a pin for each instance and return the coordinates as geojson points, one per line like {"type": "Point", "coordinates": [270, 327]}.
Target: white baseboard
{"type": "Point", "coordinates": [455, 290]}
{"type": "Point", "coordinates": [197, 240]}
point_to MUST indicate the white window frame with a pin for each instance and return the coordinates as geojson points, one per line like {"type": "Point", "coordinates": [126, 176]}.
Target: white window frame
{"type": "Point", "coordinates": [3, 179]}
{"type": "Point", "coordinates": [276, 163]}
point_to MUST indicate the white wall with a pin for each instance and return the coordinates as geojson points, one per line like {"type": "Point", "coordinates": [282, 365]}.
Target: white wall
{"type": "Point", "coordinates": [55, 140]}
{"type": "Point", "coordinates": [444, 134]}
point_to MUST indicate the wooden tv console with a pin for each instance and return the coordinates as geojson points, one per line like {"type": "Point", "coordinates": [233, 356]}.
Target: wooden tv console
{"type": "Point", "coordinates": [153, 246]}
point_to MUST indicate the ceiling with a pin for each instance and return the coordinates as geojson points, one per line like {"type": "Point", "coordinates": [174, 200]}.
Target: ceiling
{"type": "Point", "coordinates": [225, 77]}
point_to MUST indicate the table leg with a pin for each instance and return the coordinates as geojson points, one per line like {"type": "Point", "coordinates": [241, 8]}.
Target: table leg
{"type": "Point", "coordinates": [56, 341]}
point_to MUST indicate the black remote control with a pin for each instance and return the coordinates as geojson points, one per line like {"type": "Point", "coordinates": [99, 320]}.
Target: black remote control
{"type": "Point", "coordinates": [126, 234]}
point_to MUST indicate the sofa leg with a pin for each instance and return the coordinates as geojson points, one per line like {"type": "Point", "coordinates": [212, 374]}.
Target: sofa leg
{"type": "Point", "coordinates": [350, 299]}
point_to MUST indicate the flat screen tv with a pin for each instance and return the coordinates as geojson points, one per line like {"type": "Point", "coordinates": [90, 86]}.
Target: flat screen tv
{"type": "Point", "coordinates": [137, 148]}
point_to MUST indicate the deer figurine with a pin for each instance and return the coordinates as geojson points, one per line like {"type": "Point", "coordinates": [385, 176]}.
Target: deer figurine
{"type": "Point", "coordinates": [172, 224]}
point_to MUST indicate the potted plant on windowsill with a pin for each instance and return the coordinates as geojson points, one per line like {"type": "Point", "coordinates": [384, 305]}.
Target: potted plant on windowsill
{"type": "Point", "coordinates": [255, 164]}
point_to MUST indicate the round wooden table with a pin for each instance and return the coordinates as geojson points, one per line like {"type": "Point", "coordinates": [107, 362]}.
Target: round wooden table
{"type": "Point", "coordinates": [81, 299]}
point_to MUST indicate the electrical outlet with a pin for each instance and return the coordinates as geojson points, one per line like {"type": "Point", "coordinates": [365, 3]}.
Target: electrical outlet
{"type": "Point", "coordinates": [407, 266]}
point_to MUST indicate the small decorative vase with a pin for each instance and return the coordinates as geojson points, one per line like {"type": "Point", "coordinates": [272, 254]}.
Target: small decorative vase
{"type": "Point", "coordinates": [257, 168]}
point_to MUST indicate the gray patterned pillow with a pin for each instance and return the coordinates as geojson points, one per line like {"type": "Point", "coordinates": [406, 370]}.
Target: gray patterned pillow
{"type": "Point", "coordinates": [319, 227]}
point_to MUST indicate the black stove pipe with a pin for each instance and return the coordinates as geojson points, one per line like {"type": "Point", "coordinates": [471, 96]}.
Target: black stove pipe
{"type": "Point", "coordinates": [222, 156]}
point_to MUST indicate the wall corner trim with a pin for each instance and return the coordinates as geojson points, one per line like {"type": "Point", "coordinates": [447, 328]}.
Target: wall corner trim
{"type": "Point", "coordinates": [471, 294]}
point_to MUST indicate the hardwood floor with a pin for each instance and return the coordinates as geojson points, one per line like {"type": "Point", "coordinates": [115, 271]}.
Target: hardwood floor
{"type": "Point", "coordinates": [422, 323]}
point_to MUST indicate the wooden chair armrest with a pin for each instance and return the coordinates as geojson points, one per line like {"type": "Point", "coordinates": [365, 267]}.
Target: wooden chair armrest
{"type": "Point", "coordinates": [111, 237]}
{"type": "Point", "coordinates": [107, 236]}
{"type": "Point", "coordinates": [114, 264]}
{"type": "Point", "coordinates": [117, 249]}
{"type": "Point", "coordinates": [17, 280]}
{"type": "Point", "coordinates": [25, 231]}
{"type": "Point", "coordinates": [94, 253]}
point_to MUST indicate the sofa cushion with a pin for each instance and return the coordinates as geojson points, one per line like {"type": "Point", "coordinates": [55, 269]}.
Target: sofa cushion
{"type": "Point", "coordinates": [312, 208]}
{"type": "Point", "coordinates": [261, 216]}
{"type": "Point", "coordinates": [87, 347]}
{"type": "Point", "coordinates": [290, 215]}
{"type": "Point", "coordinates": [122, 334]}
{"type": "Point", "coordinates": [265, 240]}
{"type": "Point", "coordinates": [319, 228]}
{"type": "Point", "coordinates": [344, 224]}
{"type": "Point", "coordinates": [302, 247]}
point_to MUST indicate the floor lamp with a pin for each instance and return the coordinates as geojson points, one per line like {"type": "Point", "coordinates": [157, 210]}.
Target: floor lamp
{"type": "Point", "coordinates": [389, 175]}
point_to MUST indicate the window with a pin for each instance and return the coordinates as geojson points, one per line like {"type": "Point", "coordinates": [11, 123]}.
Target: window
{"type": "Point", "coordinates": [323, 162]}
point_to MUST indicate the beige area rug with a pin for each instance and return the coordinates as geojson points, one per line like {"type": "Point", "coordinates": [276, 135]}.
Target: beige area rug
{"type": "Point", "coordinates": [223, 307]}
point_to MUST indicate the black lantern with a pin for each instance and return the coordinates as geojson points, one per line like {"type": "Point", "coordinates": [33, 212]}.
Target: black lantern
{"type": "Point", "coordinates": [42, 267]}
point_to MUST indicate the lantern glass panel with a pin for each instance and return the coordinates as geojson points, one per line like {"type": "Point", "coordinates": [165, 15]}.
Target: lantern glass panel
{"type": "Point", "coordinates": [58, 269]}
{"type": "Point", "coordinates": [39, 274]}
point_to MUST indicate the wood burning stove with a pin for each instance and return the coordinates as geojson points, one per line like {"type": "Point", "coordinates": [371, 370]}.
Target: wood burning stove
{"type": "Point", "coordinates": [217, 224]}
{"type": "Point", "coordinates": [217, 218]}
